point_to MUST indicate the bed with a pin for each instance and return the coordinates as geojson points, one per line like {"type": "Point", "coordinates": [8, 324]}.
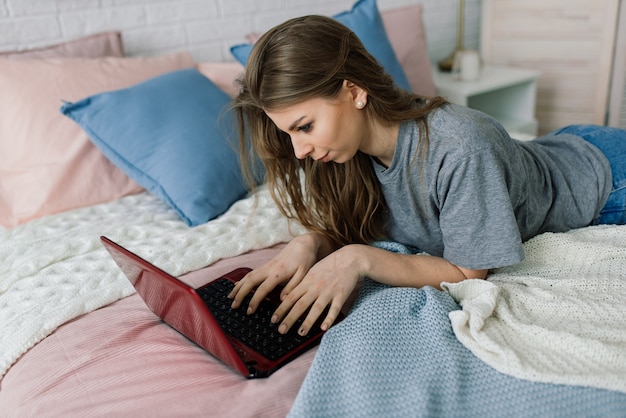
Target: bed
{"type": "Point", "coordinates": [543, 338]}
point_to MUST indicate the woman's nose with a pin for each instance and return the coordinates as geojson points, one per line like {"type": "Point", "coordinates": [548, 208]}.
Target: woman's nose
{"type": "Point", "coordinates": [301, 149]}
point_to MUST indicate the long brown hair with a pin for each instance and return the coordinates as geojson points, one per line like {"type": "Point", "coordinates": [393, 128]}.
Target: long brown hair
{"type": "Point", "coordinates": [309, 57]}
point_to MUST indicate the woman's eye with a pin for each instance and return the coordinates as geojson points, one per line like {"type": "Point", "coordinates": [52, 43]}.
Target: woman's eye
{"type": "Point", "coordinates": [305, 128]}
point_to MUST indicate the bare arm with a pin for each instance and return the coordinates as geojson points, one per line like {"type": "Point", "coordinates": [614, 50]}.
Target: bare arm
{"type": "Point", "coordinates": [331, 281]}
{"type": "Point", "coordinates": [318, 277]}
{"type": "Point", "coordinates": [408, 270]}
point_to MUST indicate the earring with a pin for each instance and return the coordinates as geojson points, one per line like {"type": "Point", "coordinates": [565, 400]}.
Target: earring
{"type": "Point", "coordinates": [360, 104]}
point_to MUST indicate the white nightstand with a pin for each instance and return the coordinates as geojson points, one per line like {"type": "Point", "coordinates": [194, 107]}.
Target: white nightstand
{"type": "Point", "coordinates": [506, 93]}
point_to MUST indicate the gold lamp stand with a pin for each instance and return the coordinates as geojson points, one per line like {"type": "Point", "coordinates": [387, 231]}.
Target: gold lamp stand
{"type": "Point", "coordinates": [447, 63]}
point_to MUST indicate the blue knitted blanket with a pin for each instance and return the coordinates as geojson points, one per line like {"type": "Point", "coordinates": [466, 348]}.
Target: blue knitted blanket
{"type": "Point", "coordinates": [396, 355]}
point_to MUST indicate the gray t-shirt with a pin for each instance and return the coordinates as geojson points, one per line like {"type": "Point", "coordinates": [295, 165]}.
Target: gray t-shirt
{"type": "Point", "coordinates": [478, 194]}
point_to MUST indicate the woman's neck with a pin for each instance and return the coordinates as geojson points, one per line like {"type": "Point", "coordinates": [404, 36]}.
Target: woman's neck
{"type": "Point", "coordinates": [382, 142]}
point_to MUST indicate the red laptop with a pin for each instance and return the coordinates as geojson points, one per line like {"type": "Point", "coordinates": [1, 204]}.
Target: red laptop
{"type": "Point", "coordinates": [250, 344]}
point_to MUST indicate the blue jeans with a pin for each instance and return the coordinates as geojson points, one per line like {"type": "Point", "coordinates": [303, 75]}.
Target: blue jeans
{"type": "Point", "coordinates": [612, 143]}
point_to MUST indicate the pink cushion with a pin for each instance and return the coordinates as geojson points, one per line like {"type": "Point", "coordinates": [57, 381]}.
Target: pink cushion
{"type": "Point", "coordinates": [223, 74]}
{"type": "Point", "coordinates": [48, 163]}
{"type": "Point", "coordinates": [406, 33]}
{"type": "Point", "coordinates": [92, 46]}
{"type": "Point", "coordinates": [405, 30]}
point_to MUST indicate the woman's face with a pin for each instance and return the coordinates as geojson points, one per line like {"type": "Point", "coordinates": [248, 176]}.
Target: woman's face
{"type": "Point", "coordinates": [325, 129]}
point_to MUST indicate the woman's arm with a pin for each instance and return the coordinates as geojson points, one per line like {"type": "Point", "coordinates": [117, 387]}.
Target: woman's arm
{"type": "Point", "coordinates": [410, 270]}
{"type": "Point", "coordinates": [330, 281]}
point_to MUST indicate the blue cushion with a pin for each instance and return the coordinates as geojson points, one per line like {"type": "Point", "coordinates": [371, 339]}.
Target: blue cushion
{"type": "Point", "coordinates": [365, 21]}
{"type": "Point", "coordinates": [169, 135]}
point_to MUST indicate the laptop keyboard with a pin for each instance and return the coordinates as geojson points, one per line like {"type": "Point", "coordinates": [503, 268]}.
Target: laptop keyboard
{"type": "Point", "coordinates": [255, 330]}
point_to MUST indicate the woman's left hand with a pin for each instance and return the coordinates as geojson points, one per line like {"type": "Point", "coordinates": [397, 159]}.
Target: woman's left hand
{"type": "Point", "coordinates": [329, 283]}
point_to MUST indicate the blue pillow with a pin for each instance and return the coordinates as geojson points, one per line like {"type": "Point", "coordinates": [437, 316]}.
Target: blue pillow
{"type": "Point", "coordinates": [170, 135]}
{"type": "Point", "coordinates": [365, 21]}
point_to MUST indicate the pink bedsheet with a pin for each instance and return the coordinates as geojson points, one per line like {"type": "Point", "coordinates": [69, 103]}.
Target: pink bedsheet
{"type": "Point", "coordinates": [121, 360]}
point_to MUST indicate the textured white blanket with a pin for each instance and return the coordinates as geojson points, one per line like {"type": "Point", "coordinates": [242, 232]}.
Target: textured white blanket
{"type": "Point", "coordinates": [559, 317]}
{"type": "Point", "coordinates": [54, 269]}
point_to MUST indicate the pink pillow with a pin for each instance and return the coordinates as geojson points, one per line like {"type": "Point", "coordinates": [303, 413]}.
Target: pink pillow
{"type": "Point", "coordinates": [48, 163]}
{"type": "Point", "coordinates": [92, 46]}
{"type": "Point", "coordinates": [406, 34]}
{"type": "Point", "coordinates": [223, 74]}
{"type": "Point", "coordinates": [405, 30]}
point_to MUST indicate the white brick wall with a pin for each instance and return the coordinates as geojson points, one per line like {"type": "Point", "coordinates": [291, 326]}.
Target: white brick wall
{"type": "Point", "coordinates": [206, 28]}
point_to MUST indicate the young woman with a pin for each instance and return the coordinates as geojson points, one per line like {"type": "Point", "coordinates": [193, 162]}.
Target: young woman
{"type": "Point", "coordinates": [356, 159]}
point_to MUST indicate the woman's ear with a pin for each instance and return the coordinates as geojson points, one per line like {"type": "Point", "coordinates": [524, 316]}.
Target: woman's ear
{"type": "Point", "coordinates": [357, 94]}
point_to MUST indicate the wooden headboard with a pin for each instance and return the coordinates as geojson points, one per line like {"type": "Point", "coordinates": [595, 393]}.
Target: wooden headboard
{"type": "Point", "coordinates": [572, 44]}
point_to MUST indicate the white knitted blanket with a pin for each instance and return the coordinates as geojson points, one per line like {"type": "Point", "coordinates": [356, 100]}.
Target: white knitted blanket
{"type": "Point", "coordinates": [559, 317]}
{"type": "Point", "coordinates": [54, 269]}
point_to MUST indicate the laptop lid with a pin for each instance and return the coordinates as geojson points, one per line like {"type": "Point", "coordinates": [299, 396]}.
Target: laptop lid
{"type": "Point", "coordinates": [180, 306]}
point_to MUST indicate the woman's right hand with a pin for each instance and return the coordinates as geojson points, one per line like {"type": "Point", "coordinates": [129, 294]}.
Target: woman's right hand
{"type": "Point", "coordinates": [289, 266]}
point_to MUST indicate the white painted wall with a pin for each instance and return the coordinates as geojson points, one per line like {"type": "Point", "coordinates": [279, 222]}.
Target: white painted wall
{"type": "Point", "coordinates": [206, 28]}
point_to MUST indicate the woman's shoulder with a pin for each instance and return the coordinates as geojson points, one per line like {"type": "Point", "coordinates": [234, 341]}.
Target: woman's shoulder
{"type": "Point", "coordinates": [463, 129]}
